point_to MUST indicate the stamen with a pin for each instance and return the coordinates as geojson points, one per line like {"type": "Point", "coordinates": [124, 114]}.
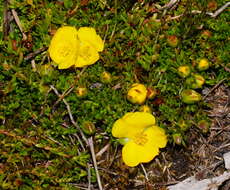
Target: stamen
{"type": "Point", "coordinates": [140, 139]}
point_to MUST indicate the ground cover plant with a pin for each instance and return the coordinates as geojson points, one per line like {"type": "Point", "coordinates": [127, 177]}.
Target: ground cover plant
{"type": "Point", "coordinates": [165, 58]}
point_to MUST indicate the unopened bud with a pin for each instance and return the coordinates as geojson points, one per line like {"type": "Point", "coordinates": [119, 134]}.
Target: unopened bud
{"type": "Point", "coordinates": [145, 108]}
{"type": "Point", "coordinates": [177, 138]}
{"type": "Point", "coordinates": [172, 40]}
{"type": "Point", "coordinates": [203, 125]}
{"type": "Point", "coordinates": [190, 96]}
{"type": "Point", "coordinates": [184, 71]}
{"type": "Point", "coordinates": [106, 77]}
{"type": "Point", "coordinates": [137, 93]}
{"type": "Point", "coordinates": [195, 81]}
{"type": "Point", "coordinates": [88, 127]}
{"type": "Point", "coordinates": [81, 91]}
{"type": "Point", "coordinates": [203, 64]}
{"type": "Point", "coordinates": [151, 93]}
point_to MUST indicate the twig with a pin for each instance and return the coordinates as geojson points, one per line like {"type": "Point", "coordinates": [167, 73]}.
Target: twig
{"type": "Point", "coordinates": [216, 86]}
{"type": "Point", "coordinates": [66, 92]}
{"type": "Point", "coordinates": [16, 18]}
{"type": "Point", "coordinates": [89, 177]}
{"type": "Point", "coordinates": [30, 142]}
{"type": "Point", "coordinates": [33, 54]}
{"type": "Point", "coordinates": [104, 149]}
{"type": "Point", "coordinates": [91, 146]}
{"type": "Point", "coordinates": [6, 20]}
{"type": "Point", "coordinates": [72, 119]}
{"type": "Point", "coordinates": [220, 10]}
{"type": "Point", "coordinates": [212, 15]}
{"type": "Point", "coordinates": [146, 175]}
{"type": "Point", "coordinates": [169, 5]}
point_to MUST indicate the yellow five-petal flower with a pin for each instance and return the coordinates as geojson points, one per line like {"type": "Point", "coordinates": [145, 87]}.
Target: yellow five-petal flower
{"type": "Point", "coordinates": [70, 47]}
{"type": "Point", "coordinates": [64, 47]}
{"type": "Point", "coordinates": [144, 137]}
{"type": "Point", "coordinates": [90, 45]}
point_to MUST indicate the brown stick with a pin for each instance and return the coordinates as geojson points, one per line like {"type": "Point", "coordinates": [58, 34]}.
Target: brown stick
{"type": "Point", "coordinates": [33, 54]}
{"type": "Point", "coordinates": [6, 20]}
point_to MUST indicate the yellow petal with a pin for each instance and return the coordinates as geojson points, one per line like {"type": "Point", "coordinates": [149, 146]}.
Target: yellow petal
{"type": "Point", "coordinates": [64, 46]}
{"type": "Point", "coordinates": [156, 137]}
{"type": "Point", "coordinates": [87, 55]}
{"type": "Point", "coordinates": [88, 34]}
{"type": "Point", "coordinates": [133, 154]}
{"type": "Point", "coordinates": [132, 123]}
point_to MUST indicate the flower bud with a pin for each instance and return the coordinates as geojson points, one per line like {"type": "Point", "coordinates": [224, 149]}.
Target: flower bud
{"type": "Point", "coordinates": [81, 91]}
{"type": "Point", "coordinates": [183, 125]}
{"type": "Point", "coordinates": [177, 138]}
{"type": "Point", "coordinates": [106, 77]}
{"type": "Point", "coordinates": [190, 96]}
{"type": "Point", "coordinates": [172, 40]}
{"type": "Point", "coordinates": [151, 93]}
{"type": "Point", "coordinates": [196, 81]}
{"type": "Point", "coordinates": [184, 71]}
{"type": "Point", "coordinates": [206, 34]}
{"type": "Point", "coordinates": [137, 93]}
{"type": "Point", "coordinates": [203, 65]}
{"type": "Point", "coordinates": [123, 141]}
{"type": "Point", "coordinates": [203, 125]}
{"type": "Point", "coordinates": [199, 80]}
{"type": "Point", "coordinates": [145, 108]}
{"type": "Point", "coordinates": [46, 69]}
{"type": "Point", "coordinates": [88, 127]}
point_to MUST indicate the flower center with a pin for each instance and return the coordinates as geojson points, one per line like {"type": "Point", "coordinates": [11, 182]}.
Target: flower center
{"type": "Point", "coordinates": [85, 52]}
{"type": "Point", "coordinates": [65, 51]}
{"type": "Point", "coordinates": [140, 139]}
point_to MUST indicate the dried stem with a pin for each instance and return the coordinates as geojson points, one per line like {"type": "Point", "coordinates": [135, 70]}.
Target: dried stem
{"type": "Point", "coordinates": [17, 20]}
{"type": "Point", "coordinates": [72, 119]}
{"type": "Point", "coordinates": [146, 175]}
{"type": "Point", "coordinates": [212, 15]}
{"type": "Point", "coordinates": [169, 5]}
{"type": "Point", "coordinates": [33, 54]}
{"type": "Point", "coordinates": [216, 86]}
{"type": "Point", "coordinates": [91, 146]}
{"type": "Point", "coordinates": [6, 20]}
{"type": "Point", "coordinates": [64, 94]}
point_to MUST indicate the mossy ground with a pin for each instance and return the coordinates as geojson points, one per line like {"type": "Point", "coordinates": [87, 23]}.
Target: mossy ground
{"type": "Point", "coordinates": [39, 145]}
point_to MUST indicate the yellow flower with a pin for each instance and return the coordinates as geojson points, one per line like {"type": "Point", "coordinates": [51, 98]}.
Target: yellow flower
{"type": "Point", "coordinates": [64, 47]}
{"type": "Point", "coordinates": [143, 138]}
{"type": "Point", "coordinates": [137, 93]}
{"type": "Point", "coordinates": [70, 47]}
{"type": "Point", "coordinates": [90, 45]}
